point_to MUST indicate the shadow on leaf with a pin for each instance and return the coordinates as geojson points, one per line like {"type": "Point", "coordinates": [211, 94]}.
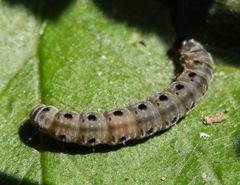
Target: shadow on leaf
{"type": "Point", "coordinates": [212, 23]}
{"type": "Point", "coordinates": [43, 9]}
{"type": "Point", "coordinates": [209, 22]}
{"type": "Point", "coordinates": [9, 180]}
{"type": "Point", "coordinates": [147, 16]}
{"type": "Point", "coordinates": [31, 136]}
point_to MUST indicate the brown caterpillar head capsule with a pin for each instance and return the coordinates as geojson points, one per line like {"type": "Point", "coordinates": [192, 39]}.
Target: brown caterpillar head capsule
{"type": "Point", "coordinates": [189, 47]}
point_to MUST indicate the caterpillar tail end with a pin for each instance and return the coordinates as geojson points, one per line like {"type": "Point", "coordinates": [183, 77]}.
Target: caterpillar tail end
{"type": "Point", "coordinates": [34, 112]}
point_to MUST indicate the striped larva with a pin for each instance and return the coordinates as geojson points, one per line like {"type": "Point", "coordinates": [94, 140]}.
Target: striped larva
{"type": "Point", "coordinates": [138, 120]}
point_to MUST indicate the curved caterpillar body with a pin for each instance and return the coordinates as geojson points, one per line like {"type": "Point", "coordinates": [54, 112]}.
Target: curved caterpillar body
{"type": "Point", "coordinates": [138, 120]}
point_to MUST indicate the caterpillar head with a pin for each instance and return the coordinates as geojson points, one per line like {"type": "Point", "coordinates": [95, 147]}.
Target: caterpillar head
{"type": "Point", "coordinates": [190, 46]}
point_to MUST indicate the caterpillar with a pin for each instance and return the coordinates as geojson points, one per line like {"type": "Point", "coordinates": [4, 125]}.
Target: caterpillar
{"type": "Point", "coordinates": [139, 120]}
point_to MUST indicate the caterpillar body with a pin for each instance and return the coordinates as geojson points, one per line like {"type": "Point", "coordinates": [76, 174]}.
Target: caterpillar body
{"type": "Point", "coordinates": [139, 120]}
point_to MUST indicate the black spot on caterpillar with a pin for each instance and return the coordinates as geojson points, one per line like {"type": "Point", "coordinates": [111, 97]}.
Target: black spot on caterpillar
{"type": "Point", "coordinates": [138, 120]}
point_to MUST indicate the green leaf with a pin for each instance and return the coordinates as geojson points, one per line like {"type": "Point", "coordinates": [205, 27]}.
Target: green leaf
{"type": "Point", "coordinates": [96, 55]}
